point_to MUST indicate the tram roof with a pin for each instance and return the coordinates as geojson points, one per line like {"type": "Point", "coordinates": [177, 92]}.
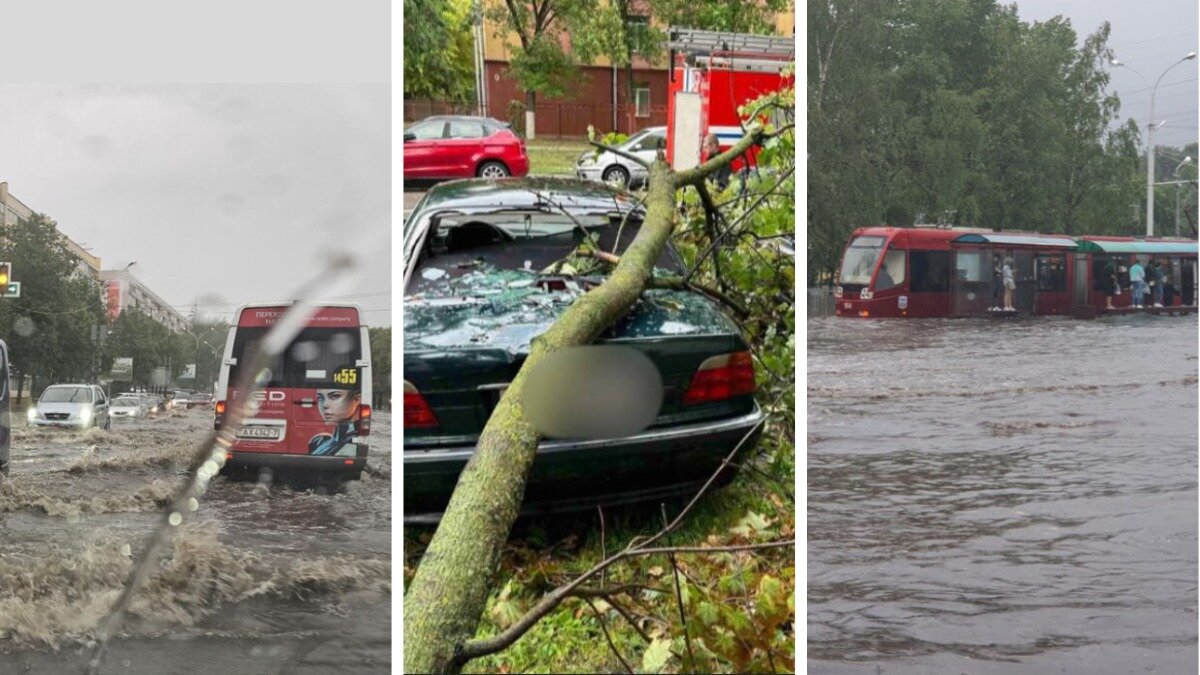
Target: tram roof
{"type": "Point", "coordinates": [1004, 239]}
{"type": "Point", "coordinates": [1089, 245]}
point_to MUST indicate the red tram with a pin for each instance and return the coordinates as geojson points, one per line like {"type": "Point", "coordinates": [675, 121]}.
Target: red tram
{"type": "Point", "coordinates": [919, 272]}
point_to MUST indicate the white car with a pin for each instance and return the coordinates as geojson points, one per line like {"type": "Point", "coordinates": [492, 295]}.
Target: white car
{"type": "Point", "coordinates": [611, 168]}
{"type": "Point", "coordinates": [77, 406]}
{"type": "Point", "coordinates": [128, 405]}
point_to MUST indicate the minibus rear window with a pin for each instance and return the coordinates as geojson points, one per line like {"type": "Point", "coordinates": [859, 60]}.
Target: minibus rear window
{"type": "Point", "coordinates": [311, 361]}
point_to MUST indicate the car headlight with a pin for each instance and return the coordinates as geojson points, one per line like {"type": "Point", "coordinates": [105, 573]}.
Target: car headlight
{"type": "Point", "coordinates": [85, 415]}
{"type": "Point", "coordinates": [32, 414]}
{"type": "Point", "coordinates": [586, 160]}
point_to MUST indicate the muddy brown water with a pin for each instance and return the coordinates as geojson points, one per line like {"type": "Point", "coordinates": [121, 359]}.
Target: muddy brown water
{"type": "Point", "coordinates": [264, 579]}
{"type": "Point", "coordinates": [1002, 496]}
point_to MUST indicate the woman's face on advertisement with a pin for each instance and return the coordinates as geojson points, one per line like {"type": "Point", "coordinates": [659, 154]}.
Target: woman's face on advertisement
{"type": "Point", "coordinates": [337, 405]}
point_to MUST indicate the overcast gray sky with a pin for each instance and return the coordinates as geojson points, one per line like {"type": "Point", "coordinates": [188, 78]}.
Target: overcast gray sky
{"type": "Point", "coordinates": [1149, 35]}
{"type": "Point", "coordinates": [236, 192]}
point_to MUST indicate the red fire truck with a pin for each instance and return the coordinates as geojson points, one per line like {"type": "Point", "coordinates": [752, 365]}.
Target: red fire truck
{"type": "Point", "coordinates": [712, 74]}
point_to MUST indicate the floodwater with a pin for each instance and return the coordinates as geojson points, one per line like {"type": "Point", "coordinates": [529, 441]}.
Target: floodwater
{"type": "Point", "coordinates": [263, 579]}
{"type": "Point", "coordinates": [1002, 496]}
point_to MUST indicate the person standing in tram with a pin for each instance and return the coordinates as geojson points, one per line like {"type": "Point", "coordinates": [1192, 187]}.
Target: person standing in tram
{"type": "Point", "coordinates": [1010, 285]}
{"type": "Point", "coordinates": [1137, 284]}
{"type": "Point", "coordinates": [1112, 284]}
{"type": "Point", "coordinates": [1156, 282]}
{"type": "Point", "coordinates": [997, 283]}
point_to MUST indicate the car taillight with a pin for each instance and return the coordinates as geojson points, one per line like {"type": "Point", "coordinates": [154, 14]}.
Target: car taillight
{"type": "Point", "coordinates": [219, 408]}
{"type": "Point", "coordinates": [364, 420]}
{"type": "Point", "coordinates": [721, 377]}
{"type": "Point", "coordinates": [417, 413]}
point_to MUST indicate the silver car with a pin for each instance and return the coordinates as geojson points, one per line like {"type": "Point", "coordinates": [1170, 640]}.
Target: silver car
{"type": "Point", "coordinates": [128, 405]}
{"type": "Point", "coordinates": [619, 171]}
{"type": "Point", "coordinates": [76, 406]}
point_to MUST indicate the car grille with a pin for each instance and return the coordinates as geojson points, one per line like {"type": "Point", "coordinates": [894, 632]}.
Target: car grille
{"type": "Point", "coordinates": [58, 417]}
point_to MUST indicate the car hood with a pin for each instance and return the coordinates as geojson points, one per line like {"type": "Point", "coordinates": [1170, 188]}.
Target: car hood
{"type": "Point", "coordinates": [125, 408]}
{"type": "Point", "coordinates": [61, 407]}
{"type": "Point", "coordinates": [501, 309]}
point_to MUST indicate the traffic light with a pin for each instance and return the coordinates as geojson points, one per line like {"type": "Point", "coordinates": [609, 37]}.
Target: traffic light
{"type": "Point", "coordinates": [5, 268]}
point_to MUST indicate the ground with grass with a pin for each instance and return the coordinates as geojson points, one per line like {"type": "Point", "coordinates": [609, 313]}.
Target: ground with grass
{"type": "Point", "coordinates": [737, 608]}
{"type": "Point", "coordinates": [554, 156]}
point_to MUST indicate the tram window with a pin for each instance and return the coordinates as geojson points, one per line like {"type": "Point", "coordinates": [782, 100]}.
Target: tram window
{"type": "Point", "coordinates": [930, 271]}
{"type": "Point", "coordinates": [968, 266]}
{"type": "Point", "coordinates": [1052, 272]}
{"type": "Point", "coordinates": [891, 273]}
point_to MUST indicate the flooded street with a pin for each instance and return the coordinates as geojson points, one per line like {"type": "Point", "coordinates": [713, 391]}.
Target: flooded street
{"type": "Point", "coordinates": [261, 580]}
{"type": "Point", "coordinates": [1002, 496]}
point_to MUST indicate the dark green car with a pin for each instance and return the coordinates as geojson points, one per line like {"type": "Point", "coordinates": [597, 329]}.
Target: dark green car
{"type": "Point", "coordinates": [489, 265]}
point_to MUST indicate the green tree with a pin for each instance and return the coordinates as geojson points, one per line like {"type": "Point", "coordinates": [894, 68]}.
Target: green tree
{"type": "Point", "coordinates": [381, 365]}
{"type": "Point", "coordinates": [553, 38]}
{"type": "Point", "coordinates": [439, 50]}
{"type": "Point", "coordinates": [50, 328]}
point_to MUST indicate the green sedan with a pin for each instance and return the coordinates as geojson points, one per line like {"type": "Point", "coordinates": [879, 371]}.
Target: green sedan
{"type": "Point", "coordinates": [489, 265]}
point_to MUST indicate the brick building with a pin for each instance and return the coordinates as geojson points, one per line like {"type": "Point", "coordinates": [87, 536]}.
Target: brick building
{"type": "Point", "coordinates": [602, 100]}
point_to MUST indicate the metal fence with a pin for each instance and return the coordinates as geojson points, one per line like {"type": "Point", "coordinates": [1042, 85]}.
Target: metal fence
{"type": "Point", "coordinates": [554, 120]}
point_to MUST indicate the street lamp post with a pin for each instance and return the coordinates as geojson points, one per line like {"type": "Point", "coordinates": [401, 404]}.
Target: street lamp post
{"type": "Point", "coordinates": [1150, 126]}
{"type": "Point", "coordinates": [1178, 189]}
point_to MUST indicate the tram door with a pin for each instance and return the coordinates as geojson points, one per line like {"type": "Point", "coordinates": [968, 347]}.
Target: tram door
{"type": "Point", "coordinates": [1026, 294]}
{"type": "Point", "coordinates": [1079, 292]}
{"type": "Point", "coordinates": [1187, 282]}
{"type": "Point", "coordinates": [971, 283]}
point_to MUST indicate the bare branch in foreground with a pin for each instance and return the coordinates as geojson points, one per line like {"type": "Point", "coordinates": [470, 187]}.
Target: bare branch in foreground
{"type": "Point", "coordinates": [608, 638]}
{"type": "Point", "coordinates": [621, 153]}
{"type": "Point", "coordinates": [639, 546]}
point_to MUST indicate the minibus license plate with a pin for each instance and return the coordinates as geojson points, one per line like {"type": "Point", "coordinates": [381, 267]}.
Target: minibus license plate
{"type": "Point", "coordinates": [263, 433]}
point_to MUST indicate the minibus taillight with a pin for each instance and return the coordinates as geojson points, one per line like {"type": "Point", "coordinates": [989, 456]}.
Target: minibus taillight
{"type": "Point", "coordinates": [364, 420]}
{"type": "Point", "coordinates": [721, 377]}
{"type": "Point", "coordinates": [417, 413]}
{"type": "Point", "coordinates": [219, 408]}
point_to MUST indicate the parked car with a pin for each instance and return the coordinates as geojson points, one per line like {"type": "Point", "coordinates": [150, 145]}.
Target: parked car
{"type": "Point", "coordinates": [73, 406]}
{"type": "Point", "coordinates": [484, 275]}
{"type": "Point", "coordinates": [128, 405]}
{"type": "Point", "coordinates": [458, 146]}
{"type": "Point", "coordinates": [618, 171]}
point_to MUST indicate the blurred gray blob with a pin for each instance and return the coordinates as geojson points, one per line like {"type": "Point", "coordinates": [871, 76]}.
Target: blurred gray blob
{"type": "Point", "coordinates": [593, 392]}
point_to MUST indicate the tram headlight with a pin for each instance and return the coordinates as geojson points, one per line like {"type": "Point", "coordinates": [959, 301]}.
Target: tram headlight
{"type": "Point", "coordinates": [865, 294]}
{"type": "Point", "coordinates": [837, 291]}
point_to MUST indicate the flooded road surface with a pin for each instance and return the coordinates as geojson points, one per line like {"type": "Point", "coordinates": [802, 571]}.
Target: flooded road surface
{"type": "Point", "coordinates": [991, 496]}
{"type": "Point", "coordinates": [264, 579]}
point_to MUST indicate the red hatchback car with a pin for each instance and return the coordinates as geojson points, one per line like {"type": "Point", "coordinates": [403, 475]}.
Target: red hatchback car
{"type": "Point", "coordinates": [457, 146]}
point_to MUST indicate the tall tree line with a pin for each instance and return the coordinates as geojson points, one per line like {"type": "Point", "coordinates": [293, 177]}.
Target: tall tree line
{"type": "Point", "coordinates": [957, 112]}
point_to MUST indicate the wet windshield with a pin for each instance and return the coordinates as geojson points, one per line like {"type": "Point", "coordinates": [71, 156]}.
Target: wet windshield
{"type": "Point", "coordinates": [860, 259]}
{"type": "Point", "coordinates": [66, 395]}
{"type": "Point", "coordinates": [530, 244]}
{"type": "Point", "coordinates": [124, 401]}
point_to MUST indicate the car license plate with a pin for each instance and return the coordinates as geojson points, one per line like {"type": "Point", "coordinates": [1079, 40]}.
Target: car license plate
{"type": "Point", "coordinates": [260, 433]}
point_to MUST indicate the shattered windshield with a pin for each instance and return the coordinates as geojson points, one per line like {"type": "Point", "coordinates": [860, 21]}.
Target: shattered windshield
{"type": "Point", "coordinates": [462, 254]}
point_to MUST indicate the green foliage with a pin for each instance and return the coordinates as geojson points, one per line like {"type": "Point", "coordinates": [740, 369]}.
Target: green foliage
{"type": "Point", "coordinates": [546, 68]}
{"type": "Point", "coordinates": [438, 50]}
{"type": "Point", "coordinates": [516, 116]}
{"type": "Point", "coordinates": [50, 328]}
{"type": "Point", "coordinates": [956, 112]}
{"type": "Point", "coordinates": [151, 345]}
{"type": "Point", "coordinates": [381, 365]}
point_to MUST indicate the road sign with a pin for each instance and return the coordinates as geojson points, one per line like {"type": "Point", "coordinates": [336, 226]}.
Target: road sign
{"type": "Point", "coordinates": [13, 290]}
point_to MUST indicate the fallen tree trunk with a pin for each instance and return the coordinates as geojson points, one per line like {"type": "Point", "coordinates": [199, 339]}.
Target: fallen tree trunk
{"type": "Point", "coordinates": [448, 594]}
